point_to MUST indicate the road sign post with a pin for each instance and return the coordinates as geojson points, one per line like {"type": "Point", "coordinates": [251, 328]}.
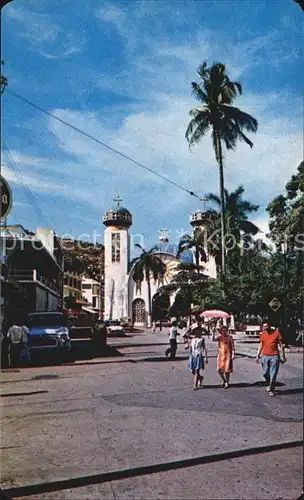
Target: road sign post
{"type": "Point", "coordinates": [6, 198]}
{"type": "Point", "coordinates": [275, 304]}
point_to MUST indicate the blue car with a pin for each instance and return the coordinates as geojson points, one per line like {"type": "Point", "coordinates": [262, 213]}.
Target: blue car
{"type": "Point", "coordinates": [49, 333]}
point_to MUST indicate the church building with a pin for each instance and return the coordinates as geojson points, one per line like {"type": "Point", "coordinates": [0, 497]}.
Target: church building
{"type": "Point", "coordinates": [123, 297]}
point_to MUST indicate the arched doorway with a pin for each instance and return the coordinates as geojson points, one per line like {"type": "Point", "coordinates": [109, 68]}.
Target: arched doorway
{"type": "Point", "coordinates": [138, 311]}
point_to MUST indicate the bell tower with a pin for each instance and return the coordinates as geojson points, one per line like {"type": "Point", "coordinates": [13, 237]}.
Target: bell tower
{"type": "Point", "coordinates": [117, 220]}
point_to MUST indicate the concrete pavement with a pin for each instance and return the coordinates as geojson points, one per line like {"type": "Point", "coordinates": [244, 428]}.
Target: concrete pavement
{"type": "Point", "coordinates": [84, 420]}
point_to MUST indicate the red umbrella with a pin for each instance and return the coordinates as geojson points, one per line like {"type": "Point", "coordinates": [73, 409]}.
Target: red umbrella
{"type": "Point", "coordinates": [215, 313]}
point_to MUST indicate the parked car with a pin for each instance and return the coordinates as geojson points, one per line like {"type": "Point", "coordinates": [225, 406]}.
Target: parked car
{"type": "Point", "coordinates": [165, 323]}
{"type": "Point", "coordinates": [114, 328]}
{"type": "Point", "coordinates": [49, 333]}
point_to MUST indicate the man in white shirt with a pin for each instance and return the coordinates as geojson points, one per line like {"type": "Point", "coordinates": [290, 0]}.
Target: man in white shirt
{"type": "Point", "coordinates": [173, 341]}
{"type": "Point", "coordinates": [15, 338]}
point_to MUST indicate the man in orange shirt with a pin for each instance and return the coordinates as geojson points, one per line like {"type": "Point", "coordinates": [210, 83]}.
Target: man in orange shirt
{"type": "Point", "coordinates": [268, 351]}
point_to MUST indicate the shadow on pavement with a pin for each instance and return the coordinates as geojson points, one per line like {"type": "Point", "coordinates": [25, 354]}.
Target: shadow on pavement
{"type": "Point", "coordinates": [77, 482]}
{"type": "Point", "coordinates": [16, 394]}
{"type": "Point", "coordinates": [254, 384]}
{"type": "Point", "coordinates": [82, 350]}
{"type": "Point", "coordinates": [300, 390]}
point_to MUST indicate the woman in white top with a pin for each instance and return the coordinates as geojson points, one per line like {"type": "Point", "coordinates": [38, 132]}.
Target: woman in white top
{"type": "Point", "coordinates": [196, 360]}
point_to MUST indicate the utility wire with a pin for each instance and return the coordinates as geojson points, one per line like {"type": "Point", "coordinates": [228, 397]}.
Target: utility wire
{"type": "Point", "coordinates": [141, 165]}
{"type": "Point", "coordinates": [11, 164]}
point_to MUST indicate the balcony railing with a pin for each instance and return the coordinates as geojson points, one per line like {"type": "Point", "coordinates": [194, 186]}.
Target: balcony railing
{"type": "Point", "coordinates": [31, 275]}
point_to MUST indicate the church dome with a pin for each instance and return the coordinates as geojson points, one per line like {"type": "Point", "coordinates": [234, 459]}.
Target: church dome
{"type": "Point", "coordinates": [117, 216]}
{"type": "Point", "coordinates": [186, 256]}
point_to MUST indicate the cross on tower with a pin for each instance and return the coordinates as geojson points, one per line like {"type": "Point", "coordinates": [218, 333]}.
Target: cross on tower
{"type": "Point", "coordinates": [163, 235]}
{"type": "Point", "coordinates": [118, 200]}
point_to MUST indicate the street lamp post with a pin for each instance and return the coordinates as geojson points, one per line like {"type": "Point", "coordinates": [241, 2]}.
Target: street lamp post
{"type": "Point", "coordinates": [190, 299]}
{"type": "Point", "coordinates": [284, 250]}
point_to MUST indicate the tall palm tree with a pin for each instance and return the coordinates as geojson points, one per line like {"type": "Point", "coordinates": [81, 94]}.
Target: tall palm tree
{"type": "Point", "coordinates": [216, 93]}
{"type": "Point", "coordinates": [196, 242]}
{"type": "Point", "coordinates": [148, 265]}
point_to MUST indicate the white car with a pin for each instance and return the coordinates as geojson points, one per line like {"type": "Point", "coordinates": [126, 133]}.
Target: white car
{"type": "Point", "coordinates": [114, 329]}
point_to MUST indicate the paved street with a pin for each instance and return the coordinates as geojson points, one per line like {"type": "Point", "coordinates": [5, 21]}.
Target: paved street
{"type": "Point", "coordinates": [104, 420]}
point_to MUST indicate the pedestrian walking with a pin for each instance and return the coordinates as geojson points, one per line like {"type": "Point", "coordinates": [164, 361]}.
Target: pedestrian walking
{"type": "Point", "coordinates": [15, 338]}
{"type": "Point", "coordinates": [198, 352]}
{"type": "Point", "coordinates": [173, 341]}
{"type": "Point", "coordinates": [24, 345]}
{"type": "Point", "coordinates": [269, 350]}
{"type": "Point", "coordinates": [225, 355]}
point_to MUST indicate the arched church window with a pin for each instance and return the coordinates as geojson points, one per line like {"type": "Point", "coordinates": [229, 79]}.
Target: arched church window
{"type": "Point", "coordinates": [115, 247]}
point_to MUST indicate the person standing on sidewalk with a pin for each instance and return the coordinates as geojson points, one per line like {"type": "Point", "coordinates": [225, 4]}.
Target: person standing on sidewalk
{"type": "Point", "coordinates": [269, 351]}
{"type": "Point", "coordinates": [173, 341]}
{"type": "Point", "coordinates": [15, 338]}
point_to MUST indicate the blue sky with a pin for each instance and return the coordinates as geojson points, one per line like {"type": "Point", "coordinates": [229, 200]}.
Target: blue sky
{"type": "Point", "coordinates": [122, 72]}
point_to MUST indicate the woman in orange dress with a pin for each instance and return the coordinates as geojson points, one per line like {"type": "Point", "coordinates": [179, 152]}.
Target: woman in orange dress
{"type": "Point", "coordinates": [225, 355]}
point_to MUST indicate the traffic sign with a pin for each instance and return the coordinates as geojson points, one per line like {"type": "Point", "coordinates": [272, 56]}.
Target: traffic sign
{"type": "Point", "coordinates": [6, 198]}
{"type": "Point", "coordinates": [275, 304]}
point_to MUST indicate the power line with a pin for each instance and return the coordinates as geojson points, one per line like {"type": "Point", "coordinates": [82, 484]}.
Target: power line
{"type": "Point", "coordinates": [126, 157]}
{"type": "Point", "coordinates": [20, 181]}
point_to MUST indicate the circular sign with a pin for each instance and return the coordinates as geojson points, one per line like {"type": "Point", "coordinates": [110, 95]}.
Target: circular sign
{"type": "Point", "coordinates": [6, 198]}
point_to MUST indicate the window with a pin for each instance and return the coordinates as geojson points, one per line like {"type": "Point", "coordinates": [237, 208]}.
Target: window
{"type": "Point", "coordinates": [115, 247]}
{"type": "Point", "coordinates": [86, 286]}
{"type": "Point", "coordinates": [94, 301]}
{"type": "Point", "coordinates": [96, 289]}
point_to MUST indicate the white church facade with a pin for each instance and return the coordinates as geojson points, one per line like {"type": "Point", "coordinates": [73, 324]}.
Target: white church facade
{"type": "Point", "coordinates": [123, 297]}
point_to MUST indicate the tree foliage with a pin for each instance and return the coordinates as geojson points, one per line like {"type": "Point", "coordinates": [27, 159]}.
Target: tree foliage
{"type": "Point", "coordinates": [286, 213]}
{"type": "Point", "coordinates": [195, 242]}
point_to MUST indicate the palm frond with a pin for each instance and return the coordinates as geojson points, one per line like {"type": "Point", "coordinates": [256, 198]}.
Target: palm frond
{"type": "Point", "coordinates": [198, 92]}
{"type": "Point", "coordinates": [214, 198]}
{"type": "Point", "coordinates": [249, 207]}
{"type": "Point", "coordinates": [198, 126]}
{"type": "Point", "coordinates": [242, 119]}
{"type": "Point", "coordinates": [137, 245]}
{"type": "Point", "coordinates": [198, 134]}
{"type": "Point", "coordinates": [202, 70]}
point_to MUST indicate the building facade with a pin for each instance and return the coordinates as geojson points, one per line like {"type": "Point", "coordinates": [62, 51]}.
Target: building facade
{"type": "Point", "coordinates": [91, 291]}
{"type": "Point", "coordinates": [72, 285]}
{"type": "Point", "coordinates": [123, 297]}
{"type": "Point", "coordinates": [34, 265]}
